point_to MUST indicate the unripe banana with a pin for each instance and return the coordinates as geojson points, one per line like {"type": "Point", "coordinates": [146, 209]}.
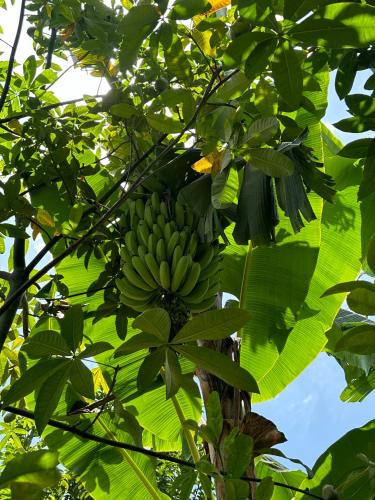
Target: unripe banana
{"type": "Point", "coordinates": [206, 257]}
{"type": "Point", "coordinates": [189, 217]}
{"type": "Point", "coordinates": [177, 254]}
{"type": "Point", "coordinates": [183, 240]}
{"type": "Point", "coordinates": [198, 294]}
{"type": "Point", "coordinates": [135, 279]}
{"type": "Point", "coordinates": [172, 243]}
{"type": "Point", "coordinates": [131, 242]}
{"type": "Point", "coordinates": [161, 253]}
{"type": "Point", "coordinates": [157, 231]}
{"type": "Point", "coordinates": [126, 288]}
{"type": "Point", "coordinates": [165, 275]}
{"type": "Point", "coordinates": [160, 219]}
{"type": "Point", "coordinates": [191, 280]}
{"type": "Point", "coordinates": [203, 306]}
{"type": "Point", "coordinates": [193, 244]}
{"type": "Point", "coordinates": [155, 202]}
{"type": "Point", "coordinates": [142, 250]}
{"type": "Point", "coordinates": [164, 210]}
{"type": "Point", "coordinates": [214, 268]}
{"type": "Point", "coordinates": [140, 208]}
{"type": "Point", "coordinates": [180, 273]}
{"type": "Point", "coordinates": [131, 205]}
{"type": "Point", "coordinates": [125, 255]}
{"type": "Point", "coordinates": [153, 267]}
{"type": "Point", "coordinates": [143, 233]}
{"type": "Point", "coordinates": [152, 242]}
{"type": "Point", "coordinates": [179, 214]}
{"type": "Point", "coordinates": [143, 271]}
{"type": "Point", "coordinates": [148, 216]}
{"type": "Point", "coordinates": [167, 232]}
{"type": "Point", "coordinates": [137, 305]}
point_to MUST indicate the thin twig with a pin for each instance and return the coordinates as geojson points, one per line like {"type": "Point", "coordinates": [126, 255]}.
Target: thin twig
{"type": "Point", "coordinates": [138, 449]}
{"type": "Point", "coordinates": [12, 56]}
{"type": "Point", "coordinates": [51, 48]}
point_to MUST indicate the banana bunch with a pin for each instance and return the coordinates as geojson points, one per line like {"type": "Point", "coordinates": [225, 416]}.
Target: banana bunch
{"type": "Point", "coordinates": [163, 260]}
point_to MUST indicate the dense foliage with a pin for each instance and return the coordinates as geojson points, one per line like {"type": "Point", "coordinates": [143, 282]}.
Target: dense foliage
{"type": "Point", "coordinates": [200, 227]}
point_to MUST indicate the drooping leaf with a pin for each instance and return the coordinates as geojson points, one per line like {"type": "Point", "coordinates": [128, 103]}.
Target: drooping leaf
{"type": "Point", "coordinates": [72, 326]}
{"type": "Point", "coordinates": [346, 73]}
{"type": "Point", "coordinates": [220, 365]}
{"type": "Point", "coordinates": [149, 369]}
{"type": "Point", "coordinates": [154, 321]}
{"type": "Point", "coordinates": [212, 325]}
{"type": "Point", "coordinates": [82, 379]}
{"type": "Point", "coordinates": [172, 373]}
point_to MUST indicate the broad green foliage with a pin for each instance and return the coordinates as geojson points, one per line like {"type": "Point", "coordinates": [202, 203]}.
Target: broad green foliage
{"type": "Point", "coordinates": [208, 143]}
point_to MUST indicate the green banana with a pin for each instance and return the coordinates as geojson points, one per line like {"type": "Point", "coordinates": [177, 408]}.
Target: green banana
{"type": "Point", "coordinates": [157, 231]}
{"type": "Point", "coordinates": [140, 208]}
{"type": "Point", "coordinates": [148, 216]}
{"type": "Point", "coordinates": [179, 215]}
{"type": "Point", "coordinates": [137, 305]}
{"type": "Point", "coordinates": [164, 210]}
{"type": "Point", "coordinates": [155, 202]}
{"type": "Point", "coordinates": [125, 255]}
{"type": "Point", "coordinates": [135, 279]}
{"type": "Point", "coordinates": [198, 294]}
{"type": "Point", "coordinates": [152, 242]}
{"type": "Point", "coordinates": [180, 273]}
{"type": "Point", "coordinates": [203, 306]}
{"type": "Point", "coordinates": [189, 217]}
{"type": "Point", "coordinates": [143, 271]}
{"type": "Point", "coordinates": [165, 275]}
{"type": "Point", "coordinates": [131, 210]}
{"type": "Point", "coordinates": [131, 242]}
{"type": "Point", "coordinates": [193, 244]}
{"type": "Point", "coordinates": [160, 219]}
{"type": "Point", "coordinates": [172, 243]}
{"type": "Point", "coordinates": [153, 267]}
{"type": "Point", "coordinates": [177, 254]}
{"type": "Point", "coordinates": [160, 251]}
{"type": "Point", "coordinates": [183, 239]}
{"type": "Point", "coordinates": [206, 258]}
{"type": "Point", "coordinates": [191, 280]}
{"type": "Point", "coordinates": [214, 268]}
{"type": "Point", "coordinates": [167, 232]}
{"type": "Point", "coordinates": [131, 291]}
{"type": "Point", "coordinates": [143, 233]}
{"type": "Point", "coordinates": [142, 250]}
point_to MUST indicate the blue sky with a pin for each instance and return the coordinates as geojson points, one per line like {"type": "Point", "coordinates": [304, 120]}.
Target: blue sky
{"type": "Point", "coordinates": [309, 410]}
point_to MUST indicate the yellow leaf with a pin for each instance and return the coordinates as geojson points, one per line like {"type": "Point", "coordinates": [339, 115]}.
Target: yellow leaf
{"type": "Point", "coordinates": [44, 218]}
{"type": "Point", "coordinates": [100, 382]}
{"type": "Point", "coordinates": [210, 163]}
{"type": "Point", "coordinates": [202, 39]}
{"type": "Point", "coordinates": [215, 6]}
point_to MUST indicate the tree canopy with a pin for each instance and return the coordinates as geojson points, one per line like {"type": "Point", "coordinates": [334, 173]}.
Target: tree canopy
{"type": "Point", "coordinates": [200, 227]}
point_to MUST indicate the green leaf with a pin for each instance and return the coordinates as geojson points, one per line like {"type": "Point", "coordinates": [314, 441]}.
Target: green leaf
{"type": "Point", "coordinates": [278, 453]}
{"type": "Point", "coordinates": [287, 73]}
{"type": "Point", "coordinates": [349, 286]}
{"type": "Point", "coordinates": [29, 69]}
{"type": "Point", "coordinates": [72, 326]}
{"type": "Point", "coordinates": [261, 131]}
{"type": "Point", "coordinates": [163, 123]}
{"type": "Point", "coordinates": [362, 301]}
{"type": "Point", "coordinates": [240, 49]}
{"type": "Point", "coordinates": [82, 379]}
{"type": "Point", "coordinates": [265, 489]}
{"type": "Point", "coordinates": [220, 365]}
{"type": "Point", "coordinates": [340, 460]}
{"type": "Point", "coordinates": [95, 349]}
{"type": "Point", "coordinates": [212, 325]}
{"type": "Point", "coordinates": [356, 149]}
{"type": "Point", "coordinates": [49, 395]}
{"type": "Point", "coordinates": [346, 73]}
{"type": "Point", "coordinates": [32, 379]}
{"type": "Point", "coordinates": [359, 388]}
{"type": "Point", "coordinates": [34, 467]}
{"type": "Point", "coordinates": [343, 24]}
{"type": "Point", "coordinates": [355, 124]}
{"type": "Point", "coordinates": [271, 162]}
{"type": "Point", "coordinates": [224, 188]}
{"type": "Point", "coordinates": [154, 321]}
{"type": "Point", "coordinates": [172, 373]}
{"type": "Point", "coordinates": [371, 253]}
{"type": "Point", "coordinates": [12, 231]}
{"type": "Point", "coordinates": [238, 450]}
{"type": "Point", "coordinates": [358, 340]}
{"type": "Point", "coordinates": [46, 344]}
{"type": "Point", "coordinates": [123, 110]}
{"type": "Point", "coordinates": [260, 58]}
{"type": "Point", "coordinates": [361, 104]}
{"type": "Point", "coordinates": [214, 414]}
{"type": "Point", "coordinates": [186, 9]}
{"type": "Point", "coordinates": [149, 369]}
{"type": "Point", "coordinates": [138, 342]}
{"type": "Point", "coordinates": [270, 468]}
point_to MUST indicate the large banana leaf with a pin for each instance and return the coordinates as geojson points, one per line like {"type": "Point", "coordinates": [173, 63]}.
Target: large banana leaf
{"type": "Point", "coordinates": [106, 472]}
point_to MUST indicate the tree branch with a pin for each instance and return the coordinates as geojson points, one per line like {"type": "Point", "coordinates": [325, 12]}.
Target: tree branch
{"type": "Point", "coordinates": [137, 449]}
{"type": "Point", "coordinates": [12, 56]}
{"type": "Point", "coordinates": [51, 48]}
